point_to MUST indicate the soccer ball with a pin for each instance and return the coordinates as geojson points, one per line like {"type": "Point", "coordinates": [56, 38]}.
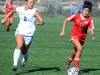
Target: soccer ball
{"type": "Point", "coordinates": [73, 71]}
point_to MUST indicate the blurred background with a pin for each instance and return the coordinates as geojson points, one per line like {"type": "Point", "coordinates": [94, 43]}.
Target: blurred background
{"type": "Point", "coordinates": [55, 8]}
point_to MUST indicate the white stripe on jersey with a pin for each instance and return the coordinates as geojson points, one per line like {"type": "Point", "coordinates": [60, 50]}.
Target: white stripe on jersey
{"type": "Point", "coordinates": [92, 24]}
{"type": "Point", "coordinates": [5, 6]}
{"type": "Point", "coordinates": [70, 18]}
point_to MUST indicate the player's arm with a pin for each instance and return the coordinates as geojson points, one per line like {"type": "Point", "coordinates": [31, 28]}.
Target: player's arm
{"type": "Point", "coordinates": [92, 34]}
{"type": "Point", "coordinates": [10, 13]}
{"type": "Point", "coordinates": [71, 18]}
{"type": "Point", "coordinates": [64, 27]}
{"type": "Point", "coordinates": [91, 27]}
{"type": "Point", "coordinates": [38, 16]}
{"type": "Point", "coordinates": [5, 7]}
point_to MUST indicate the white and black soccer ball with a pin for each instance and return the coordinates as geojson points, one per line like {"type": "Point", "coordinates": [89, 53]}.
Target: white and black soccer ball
{"type": "Point", "coordinates": [73, 71]}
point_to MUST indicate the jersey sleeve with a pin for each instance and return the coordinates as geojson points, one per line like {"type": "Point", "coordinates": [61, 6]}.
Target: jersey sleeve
{"type": "Point", "coordinates": [5, 6]}
{"type": "Point", "coordinates": [91, 25]}
{"type": "Point", "coordinates": [17, 9]}
{"type": "Point", "coordinates": [71, 18]}
{"type": "Point", "coordinates": [34, 11]}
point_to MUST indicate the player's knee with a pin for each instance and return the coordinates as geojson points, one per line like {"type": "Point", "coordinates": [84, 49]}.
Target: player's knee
{"type": "Point", "coordinates": [19, 47]}
{"type": "Point", "coordinates": [7, 23]}
{"type": "Point", "coordinates": [24, 52]}
{"type": "Point", "coordinates": [10, 24]}
{"type": "Point", "coordinates": [80, 49]}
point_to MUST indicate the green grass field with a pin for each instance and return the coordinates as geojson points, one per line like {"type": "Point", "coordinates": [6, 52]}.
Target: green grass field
{"type": "Point", "coordinates": [49, 52]}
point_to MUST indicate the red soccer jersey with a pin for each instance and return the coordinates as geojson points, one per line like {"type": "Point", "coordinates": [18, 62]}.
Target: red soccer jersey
{"type": "Point", "coordinates": [8, 6]}
{"type": "Point", "coordinates": [80, 26]}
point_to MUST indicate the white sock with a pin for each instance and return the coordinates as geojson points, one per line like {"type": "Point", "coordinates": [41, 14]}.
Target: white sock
{"type": "Point", "coordinates": [16, 56]}
{"type": "Point", "coordinates": [25, 56]}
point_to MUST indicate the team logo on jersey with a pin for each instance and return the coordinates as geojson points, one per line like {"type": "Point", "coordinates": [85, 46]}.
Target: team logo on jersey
{"type": "Point", "coordinates": [81, 26]}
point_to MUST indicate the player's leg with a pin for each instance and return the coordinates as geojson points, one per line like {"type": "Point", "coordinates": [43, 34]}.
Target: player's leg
{"type": "Point", "coordinates": [71, 57]}
{"type": "Point", "coordinates": [25, 54]}
{"type": "Point", "coordinates": [7, 24]}
{"type": "Point", "coordinates": [78, 46]}
{"type": "Point", "coordinates": [19, 40]}
{"type": "Point", "coordinates": [27, 42]}
{"type": "Point", "coordinates": [11, 20]}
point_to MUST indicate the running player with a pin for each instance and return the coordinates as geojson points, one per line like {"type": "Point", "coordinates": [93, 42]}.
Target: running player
{"type": "Point", "coordinates": [25, 30]}
{"type": "Point", "coordinates": [79, 32]}
{"type": "Point", "coordinates": [9, 7]}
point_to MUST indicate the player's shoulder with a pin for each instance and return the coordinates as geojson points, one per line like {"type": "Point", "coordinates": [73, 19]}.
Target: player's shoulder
{"type": "Point", "coordinates": [20, 7]}
{"type": "Point", "coordinates": [33, 9]}
{"type": "Point", "coordinates": [9, 3]}
{"type": "Point", "coordinates": [89, 18]}
{"type": "Point", "coordinates": [77, 15]}
{"type": "Point", "coordinates": [6, 3]}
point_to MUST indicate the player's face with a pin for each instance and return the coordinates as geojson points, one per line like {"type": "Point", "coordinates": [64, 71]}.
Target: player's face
{"type": "Point", "coordinates": [10, 1]}
{"type": "Point", "coordinates": [30, 3]}
{"type": "Point", "coordinates": [85, 12]}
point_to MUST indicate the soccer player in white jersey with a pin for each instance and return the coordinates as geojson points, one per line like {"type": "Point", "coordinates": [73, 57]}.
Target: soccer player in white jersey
{"type": "Point", "coordinates": [25, 30]}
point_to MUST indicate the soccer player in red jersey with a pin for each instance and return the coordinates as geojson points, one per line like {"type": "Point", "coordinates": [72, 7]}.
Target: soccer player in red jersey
{"type": "Point", "coordinates": [79, 32]}
{"type": "Point", "coordinates": [9, 7]}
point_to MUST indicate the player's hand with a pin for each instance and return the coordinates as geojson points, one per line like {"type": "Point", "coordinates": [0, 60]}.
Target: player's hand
{"type": "Point", "coordinates": [8, 10]}
{"type": "Point", "coordinates": [38, 23]}
{"type": "Point", "coordinates": [62, 34]}
{"type": "Point", "coordinates": [93, 37]}
{"type": "Point", "coordinates": [3, 21]}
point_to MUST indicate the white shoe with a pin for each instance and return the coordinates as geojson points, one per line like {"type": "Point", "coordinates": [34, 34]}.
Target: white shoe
{"type": "Point", "coordinates": [67, 67]}
{"type": "Point", "coordinates": [14, 67]}
{"type": "Point", "coordinates": [23, 63]}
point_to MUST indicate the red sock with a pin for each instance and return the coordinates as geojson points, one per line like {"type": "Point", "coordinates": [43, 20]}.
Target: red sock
{"type": "Point", "coordinates": [76, 62]}
{"type": "Point", "coordinates": [69, 61]}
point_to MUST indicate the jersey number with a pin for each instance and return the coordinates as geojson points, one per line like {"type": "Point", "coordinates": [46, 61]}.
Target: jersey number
{"type": "Point", "coordinates": [25, 18]}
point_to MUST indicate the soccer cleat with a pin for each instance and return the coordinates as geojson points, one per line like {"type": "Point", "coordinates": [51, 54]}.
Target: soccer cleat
{"type": "Point", "coordinates": [14, 67]}
{"type": "Point", "coordinates": [23, 63]}
{"type": "Point", "coordinates": [67, 67]}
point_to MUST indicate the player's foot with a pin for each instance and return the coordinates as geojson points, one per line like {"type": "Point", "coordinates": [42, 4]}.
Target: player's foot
{"type": "Point", "coordinates": [23, 63]}
{"type": "Point", "coordinates": [7, 29]}
{"type": "Point", "coordinates": [67, 67]}
{"type": "Point", "coordinates": [14, 67]}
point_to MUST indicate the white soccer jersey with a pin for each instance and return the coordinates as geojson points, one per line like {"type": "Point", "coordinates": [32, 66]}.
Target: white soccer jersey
{"type": "Point", "coordinates": [26, 25]}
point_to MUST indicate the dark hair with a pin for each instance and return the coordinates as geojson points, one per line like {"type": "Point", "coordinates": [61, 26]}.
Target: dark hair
{"type": "Point", "coordinates": [87, 4]}
{"type": "Point", "coordinates": [26, 0]}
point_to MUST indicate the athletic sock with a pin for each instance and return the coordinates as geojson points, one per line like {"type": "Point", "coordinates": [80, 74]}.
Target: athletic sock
{"type": "Point", "coordinates": [25, 56]}
{"type": "Point", "coordinates": [69, 61]}
{"type": "Point", "coordinates": [16, 56]}
{"type": "Point", "coordinates": [7, 26]}
{"type": "Point", "coordinates": [76, 62]}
